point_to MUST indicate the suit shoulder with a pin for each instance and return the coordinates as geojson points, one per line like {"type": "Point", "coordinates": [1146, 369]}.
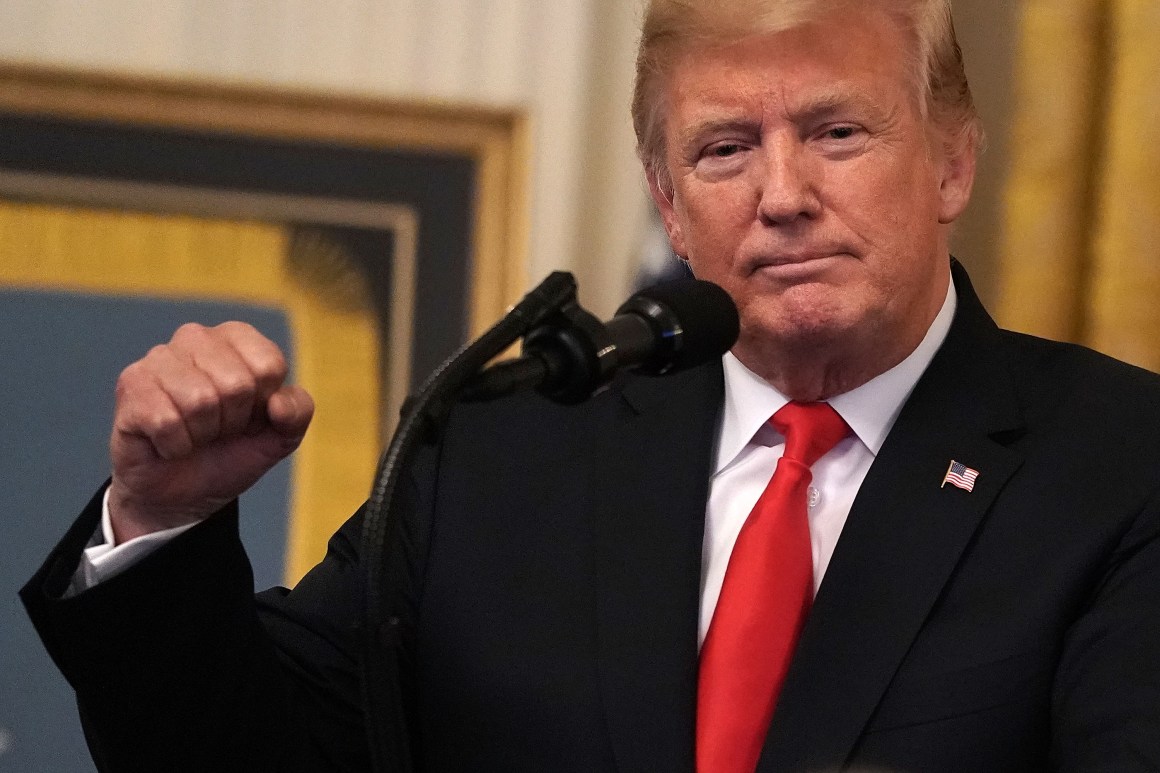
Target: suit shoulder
{"type": "Point", "coordinates": [1071, 391]}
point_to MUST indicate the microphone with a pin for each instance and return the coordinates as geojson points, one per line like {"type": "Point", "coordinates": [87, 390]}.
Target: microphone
{"type": "Point", "coordinates": [660, 330]}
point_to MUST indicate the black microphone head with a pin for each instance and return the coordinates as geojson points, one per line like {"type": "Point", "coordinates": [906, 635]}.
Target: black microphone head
{"type": "Point", "coordinates": [696, 321]}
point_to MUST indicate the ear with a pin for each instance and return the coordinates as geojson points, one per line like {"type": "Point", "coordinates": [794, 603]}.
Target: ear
{"type": "Point", "coordinates": [958, 178]}
{"type": "Point", "coordinates": [663, 195]}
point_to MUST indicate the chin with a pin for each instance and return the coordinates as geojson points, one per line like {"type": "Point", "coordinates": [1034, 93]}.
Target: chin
{"type": "Point", "coordinates": [801, 319]}
{"type": "Point", "coordinates": [796, 334]}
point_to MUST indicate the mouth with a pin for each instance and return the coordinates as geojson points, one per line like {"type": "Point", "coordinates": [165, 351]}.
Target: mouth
{"type": "Point", "coordinates": [794, 264]}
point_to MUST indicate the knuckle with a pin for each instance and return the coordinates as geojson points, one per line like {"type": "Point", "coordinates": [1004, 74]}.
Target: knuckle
{"type": "Point", "coordinates": [160, 424]}
{"type": "Point", "coordinates": [133, 380]}
{"type": "Point", "coordinates": [153, 357]}
{"type": "Point", "coordinates": [270, 364]}
{"type": "Point", "coordinates": [130, 375]}
{"type": "Point", "coordinates": [236, 386]}
{"type": "Point", "coordinates": [200, 401]}
{"type": "Point", "coordinates": [261, 354]}
{"type": "Point", "coordinates": [235, 327]}
{"type": "Point", "coordinates": [190, 330]}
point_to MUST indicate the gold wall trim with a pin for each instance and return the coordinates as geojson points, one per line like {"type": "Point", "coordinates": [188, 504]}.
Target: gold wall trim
{"type": "Point", "coordinates": [401, 220]}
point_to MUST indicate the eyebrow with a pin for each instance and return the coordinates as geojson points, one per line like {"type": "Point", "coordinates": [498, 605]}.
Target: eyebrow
{"type": "Point", "coordinates": [693, 134]}
{"type": "Point", "coordinates": [812, 107]}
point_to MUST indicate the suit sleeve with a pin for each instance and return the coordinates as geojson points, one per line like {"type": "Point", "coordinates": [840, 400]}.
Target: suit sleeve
{"type": "Point", "coordinates": [1106, 701]}
{"type": "Point", "coordinates": [177, 666]}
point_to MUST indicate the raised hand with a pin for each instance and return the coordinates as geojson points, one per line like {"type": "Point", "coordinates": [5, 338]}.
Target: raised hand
{"type": "Point", "coordinates": [197, 422]}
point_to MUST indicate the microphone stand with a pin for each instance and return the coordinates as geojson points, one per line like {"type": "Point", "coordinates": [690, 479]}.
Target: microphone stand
{"type": "Point", "coordinates": [383, 566]}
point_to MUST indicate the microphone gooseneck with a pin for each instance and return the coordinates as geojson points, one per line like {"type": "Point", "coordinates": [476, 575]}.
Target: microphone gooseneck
{"type": "Point", "coordinates": [660, 330]}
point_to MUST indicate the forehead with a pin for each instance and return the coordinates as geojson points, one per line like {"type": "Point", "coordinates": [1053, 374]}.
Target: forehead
{"type": "Point", "coordinates": [860, 55]}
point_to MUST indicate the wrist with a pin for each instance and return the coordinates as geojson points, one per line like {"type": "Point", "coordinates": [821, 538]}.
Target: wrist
{"type": "Point", "coordinates": [130, 518]}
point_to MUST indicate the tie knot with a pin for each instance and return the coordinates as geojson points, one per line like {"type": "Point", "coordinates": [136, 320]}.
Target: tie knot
{"type": "Point", "coordinates": [810, 430]}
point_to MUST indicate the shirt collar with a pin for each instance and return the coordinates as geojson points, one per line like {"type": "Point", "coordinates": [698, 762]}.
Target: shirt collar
{"type": "Point", "coordinates": [870, 409]}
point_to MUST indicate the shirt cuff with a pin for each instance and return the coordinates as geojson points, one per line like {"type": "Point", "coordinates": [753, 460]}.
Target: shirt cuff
{"type": "Point", "coordinates": [104, 559]}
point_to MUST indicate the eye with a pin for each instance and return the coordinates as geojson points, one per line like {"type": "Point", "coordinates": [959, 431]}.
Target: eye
{"type": "Point", "coordinates": [723, 158]}
{"type": "Point", "coordinates": [841, 133]}
{"type": "Point", "coordinates": [723, 150]}
{"type": "Point", "coordinates": [841, 140]}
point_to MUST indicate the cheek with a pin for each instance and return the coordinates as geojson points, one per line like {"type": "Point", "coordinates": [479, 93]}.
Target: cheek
{"type": "Point", "coordinates": [894, 215]}
{"type": "Point", "coordinates": [713, 225]}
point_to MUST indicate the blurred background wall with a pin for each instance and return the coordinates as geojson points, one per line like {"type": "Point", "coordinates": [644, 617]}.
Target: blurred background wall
{"type": "Point", "coordinates": [568, 63]}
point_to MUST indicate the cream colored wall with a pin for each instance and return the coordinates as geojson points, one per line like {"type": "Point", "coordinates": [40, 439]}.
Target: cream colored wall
{"type": "Point", "coordinates": [568, 63]}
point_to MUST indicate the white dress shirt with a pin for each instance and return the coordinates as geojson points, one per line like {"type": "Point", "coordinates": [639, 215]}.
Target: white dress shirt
{"type": "Point", "coordinates": [104, 558]}
{"type": "Point", "coordinates": [748, 448]}
{"type": "Point", "coordinates": [747, 451]}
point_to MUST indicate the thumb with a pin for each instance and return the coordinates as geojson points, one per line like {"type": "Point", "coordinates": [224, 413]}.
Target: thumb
{"type": "Point", "coordinates": [289, 411]}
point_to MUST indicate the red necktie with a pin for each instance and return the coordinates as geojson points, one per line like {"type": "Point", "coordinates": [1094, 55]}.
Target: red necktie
{"type": "Point", "coordinates": [766, 594]}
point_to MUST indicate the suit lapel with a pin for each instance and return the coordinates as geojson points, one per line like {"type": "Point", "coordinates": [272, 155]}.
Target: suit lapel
{"type": "Point", "coordinates": [903, 538]}
{"type": "Point", "coordinates": [654, 454]}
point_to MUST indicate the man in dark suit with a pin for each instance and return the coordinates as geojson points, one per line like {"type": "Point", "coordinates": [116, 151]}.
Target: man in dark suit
{"type": "Point", "coordinates": [977, 541]}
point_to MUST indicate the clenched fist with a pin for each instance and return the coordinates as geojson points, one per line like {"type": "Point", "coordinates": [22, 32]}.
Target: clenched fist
{"type": "Point", "coordinates": [197, 422]}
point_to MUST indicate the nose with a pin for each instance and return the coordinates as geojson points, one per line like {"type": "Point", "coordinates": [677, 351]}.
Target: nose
{"type": "Point", "coordinates": [788, 185]}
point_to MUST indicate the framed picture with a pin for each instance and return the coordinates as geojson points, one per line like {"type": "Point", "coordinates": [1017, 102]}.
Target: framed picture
{"type": "Point", "coordinates": [369, 238]}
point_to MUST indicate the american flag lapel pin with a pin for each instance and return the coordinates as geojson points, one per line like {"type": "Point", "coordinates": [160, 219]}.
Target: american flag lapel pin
{"type": "Point", "coordinates": [960, 475]}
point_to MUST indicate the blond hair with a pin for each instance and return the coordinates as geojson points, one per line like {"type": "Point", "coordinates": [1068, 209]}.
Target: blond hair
{"type": "Point", "coordinates": [672, 26]}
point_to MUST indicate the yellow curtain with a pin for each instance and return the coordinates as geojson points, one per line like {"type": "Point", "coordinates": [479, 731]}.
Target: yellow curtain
{"type": "Point", "coordinates": [1081, 250]}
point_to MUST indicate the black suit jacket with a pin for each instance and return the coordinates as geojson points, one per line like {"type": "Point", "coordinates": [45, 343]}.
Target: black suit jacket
{"type": "Point", "coordinates": [1014, 627]}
